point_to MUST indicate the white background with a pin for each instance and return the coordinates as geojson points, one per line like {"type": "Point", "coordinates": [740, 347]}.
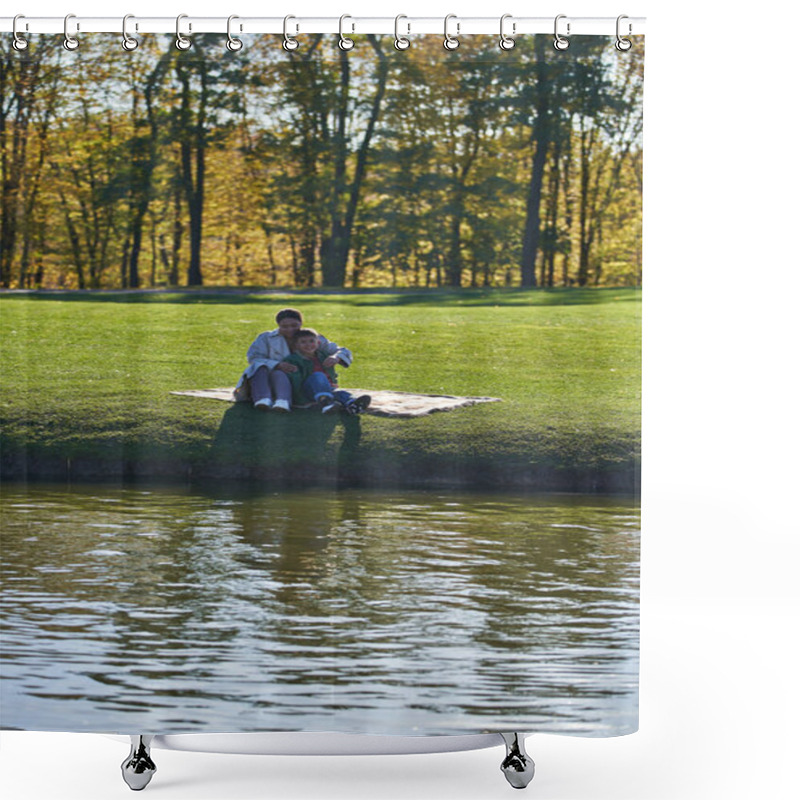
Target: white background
{"type": "Point", "coordinates": [719, 703]}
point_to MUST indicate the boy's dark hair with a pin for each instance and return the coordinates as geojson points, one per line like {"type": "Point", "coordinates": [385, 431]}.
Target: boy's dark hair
{"type": "Point", "coordinates": [291, 313]}
{"type": "Point", "coordinates": [298, 334]}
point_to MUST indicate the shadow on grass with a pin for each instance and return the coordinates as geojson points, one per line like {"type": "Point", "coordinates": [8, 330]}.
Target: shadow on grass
{"type": "Point", "coordinates": [301, 446]}
{"type": "Point", "coordinates": [356, 297]}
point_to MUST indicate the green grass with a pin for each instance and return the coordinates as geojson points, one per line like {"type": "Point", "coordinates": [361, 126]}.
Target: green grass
{"type": "Point", "coordinates": [86, 377]}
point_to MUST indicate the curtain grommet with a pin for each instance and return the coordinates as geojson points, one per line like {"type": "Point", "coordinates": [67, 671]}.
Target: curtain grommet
{"type": "Point", "coordinates": [560, 42]}
{"type": "Point", "coordinates": [401, 42]}
{"type": "Point", "coordinates": [70, 42]}
{"type": "Point", "coordinates": [19, 42]}
{"type": "Point", "coordinates": [290, 44]}
{"type": "Point", "coordinates": [181, 42]}
{"type": "Point", "coordinates": [451, 42]}
{"type": "Point", "coordinates": [129, 42]}
{"type": "Point", "coordinates": [507, 42]}
{"type": "Point", "coordinates": [623, 45]}
{"type": "Point", "coordinates": [233, 44]}
{"type": "Point", "coordinates": [345, 42]}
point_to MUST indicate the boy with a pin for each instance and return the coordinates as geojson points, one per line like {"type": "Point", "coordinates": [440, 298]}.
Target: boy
{"type": "Point", "coordinates": [315, 378]}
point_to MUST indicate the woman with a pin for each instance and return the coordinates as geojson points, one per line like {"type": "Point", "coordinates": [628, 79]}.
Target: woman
{"type": "Point", "coordinates": [266, 380]}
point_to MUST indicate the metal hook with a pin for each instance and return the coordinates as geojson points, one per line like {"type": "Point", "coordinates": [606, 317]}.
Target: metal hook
{"type": "Point", "coordinates": [129, 42]}
{"type": "Point", "coordinates": [623, 45]}
{"type": "Point", "coordinates": [181, 42]}
{"type": "Point", "coordinates": [19, 42]}
{"type": "Point", "coordinates": [507, 42]}
{"type": "Point", "coordinates": [70, 42]}
{"type": "Point", "coordinates": [289, 42]}
{"type": "Point", "coordinates": [401, 42]}
{"type": "Point", "coordinates": [233, 44]}
{"type": "Point", "coordinates": [345, 43]}
{"type": "Point", "coordinates": [451, 42]}
{"type": "Point", "coordinates": [559, 42]}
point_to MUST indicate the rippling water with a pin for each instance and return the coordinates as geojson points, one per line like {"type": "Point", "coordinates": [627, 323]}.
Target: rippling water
{"type": "Point", "coordinates": [126, 610]}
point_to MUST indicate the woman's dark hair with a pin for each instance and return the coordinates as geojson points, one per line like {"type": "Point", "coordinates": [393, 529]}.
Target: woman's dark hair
{"type": "Point", "coordinates": [291, 313]}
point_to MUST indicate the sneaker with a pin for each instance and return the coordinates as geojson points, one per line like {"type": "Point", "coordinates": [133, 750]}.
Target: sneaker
{"type": "Point", "coordinates": [281, 405]}
{"type": "Point", "coordinates": [329, 406]}
{"type": "Point", "coordinates": [358, 405]}
{"type": "Point", "coordinates": [264, 404]}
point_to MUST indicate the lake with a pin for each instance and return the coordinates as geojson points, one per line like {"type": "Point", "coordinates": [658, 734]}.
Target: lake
{"type": "Point", "coordinates": [160, 610]}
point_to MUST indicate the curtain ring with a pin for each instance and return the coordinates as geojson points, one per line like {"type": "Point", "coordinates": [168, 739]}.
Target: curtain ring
{"type": "Point", "coordinates": [181, 42]}
{"type": "Point", "coordinates": [129, 42]}
{"type": "Point", "coordinates": [623, 45]}
{"type": "Point", "coordinates": [401, 42]}
{"type": "Point", "coordinates": [345, 43]}
{"type": "Point", "coordinates": [451, 42]}
{"type": "Point", "coordinates": [289, 42]}
{"type": "Point", "coordinates": [233, 44]}
{"type": "Point", "coordinates": [559, 42]}
{"type": "Point", "coordinates": [19, 42]}
{"type": "Point", "coordinates": [507, 42]}
{"type": "Point", "coordinates": [70, 42]}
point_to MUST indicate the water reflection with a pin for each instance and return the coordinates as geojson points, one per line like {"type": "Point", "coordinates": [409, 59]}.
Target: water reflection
{"type": "Point", "coordinates": [355, 611]}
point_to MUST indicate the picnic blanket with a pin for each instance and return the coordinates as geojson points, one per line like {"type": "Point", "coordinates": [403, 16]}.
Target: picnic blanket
{"type": "Point", "coordinates": [384, 403]}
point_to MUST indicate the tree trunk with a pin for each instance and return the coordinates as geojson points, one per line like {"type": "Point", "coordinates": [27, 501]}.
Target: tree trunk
{"type": "Point", "coordinates": [335, 250]}
{"type": "Point", "coordinates": [541, 138]}
{"type": "Point", "coordinates": [74, 241]}
{"type": "Point", "coordinates": [584, 209]}
{"type": "Point", "coordinates": [568, 209]}
{"type": "Point", "coordinates": [530, 241]}
{"type": "Point", "coordinates": [332, 245]}
{"type": "Point", "coordinates": [177, 239]}
{"type": "Point", "coordinates": [145, 166]}
{"type": "Point", "coordinates": [17, 81]}
{"type": "Point", "coordinates": [455, 262]}
{"type": "Point", "coordinates": [193, 164]}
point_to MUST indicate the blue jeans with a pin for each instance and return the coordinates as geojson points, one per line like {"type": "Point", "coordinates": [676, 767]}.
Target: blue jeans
{"type": "Point", "coordinates": [317, 385]}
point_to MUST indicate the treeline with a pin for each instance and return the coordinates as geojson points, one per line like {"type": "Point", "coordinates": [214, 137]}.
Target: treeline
{"type": "Point", "coordinates": [321, 167]}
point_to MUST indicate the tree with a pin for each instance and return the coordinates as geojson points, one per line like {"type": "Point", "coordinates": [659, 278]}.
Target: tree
{"type": "Point", "coordinates": [143, 147]}
{"type": "Point", "coordinates": [365, 167]}
{"type": "Point", "coordinates": [344, 195]}
{"type": "Point", "coordinates": [29, 86]}
{"type": "Point", "coordinates": [610, 125]}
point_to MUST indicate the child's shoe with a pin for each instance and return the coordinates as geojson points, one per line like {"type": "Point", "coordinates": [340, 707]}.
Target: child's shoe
{"type": "Point", "coordinates": [329, 406]}
{"type": "Point", "coordinates": [358, 405]}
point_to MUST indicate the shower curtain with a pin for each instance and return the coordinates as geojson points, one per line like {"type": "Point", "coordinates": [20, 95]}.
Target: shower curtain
{"type": "Point", "coordinates": [458, 232]}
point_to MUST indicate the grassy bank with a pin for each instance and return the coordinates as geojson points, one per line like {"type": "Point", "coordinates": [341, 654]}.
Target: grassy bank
{"type": "Point", "coordinates": [86, 380]}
